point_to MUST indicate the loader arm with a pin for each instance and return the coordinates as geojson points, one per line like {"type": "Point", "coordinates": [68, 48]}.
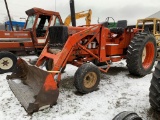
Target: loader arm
{"type": "Point", "coordinates": [61, 58]}
{"type": "Point", "coordinates": [80, 15]}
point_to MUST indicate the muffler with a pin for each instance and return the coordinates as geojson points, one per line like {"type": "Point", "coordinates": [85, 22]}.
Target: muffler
{"type": "Point", "coordinates": [33, 87]}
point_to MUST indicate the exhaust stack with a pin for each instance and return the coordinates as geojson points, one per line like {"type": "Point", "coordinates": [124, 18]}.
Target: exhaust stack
{"type": "Point", "coordinates": [72, 9]}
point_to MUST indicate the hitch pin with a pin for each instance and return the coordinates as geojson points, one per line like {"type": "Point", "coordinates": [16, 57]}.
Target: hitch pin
{"type": "Point", "coordinates": [53, 71]}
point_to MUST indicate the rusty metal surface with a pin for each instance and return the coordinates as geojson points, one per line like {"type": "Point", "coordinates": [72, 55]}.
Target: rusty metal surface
{"type": "Point", "coordinates": [43, 99]}
{"type": "Point", "coordinates": [23, 93]}
{"type": "Point", "coordinates": [31, 90]}
{"type": "Point", "coordinates": [42, 11]}
{"type": "Point", "coordinates": [29, 74]}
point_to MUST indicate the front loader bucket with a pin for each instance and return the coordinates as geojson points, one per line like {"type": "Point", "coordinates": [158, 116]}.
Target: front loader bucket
{"type": "Point", "coordinates": [35, 88]}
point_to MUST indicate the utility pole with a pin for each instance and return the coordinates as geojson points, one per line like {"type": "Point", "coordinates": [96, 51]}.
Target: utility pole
{"type": "Point", "coordinates": [8, 14]}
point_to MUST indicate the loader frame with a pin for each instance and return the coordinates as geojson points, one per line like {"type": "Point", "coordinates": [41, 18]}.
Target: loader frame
{"type": "Point", "coordinates": [105, 51]}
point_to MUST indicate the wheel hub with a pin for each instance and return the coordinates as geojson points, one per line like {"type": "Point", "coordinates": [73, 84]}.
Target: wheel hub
{"type": "Point", "coordinates": [6, 63]}
{"type": "Point", "coordinates": [143, 54]}
{"type": "Point", "coordinates": [90, 79]}
{"type": "Point", "coordinates": [148, 55]}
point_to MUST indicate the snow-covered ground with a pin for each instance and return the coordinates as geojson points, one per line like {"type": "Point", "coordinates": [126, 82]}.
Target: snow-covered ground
{"type": "Point", "coordinates": [118, 91]}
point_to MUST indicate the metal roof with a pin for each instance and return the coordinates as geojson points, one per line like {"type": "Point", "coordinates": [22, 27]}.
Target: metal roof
{"type": "Point", "coordinates": [155, 15]}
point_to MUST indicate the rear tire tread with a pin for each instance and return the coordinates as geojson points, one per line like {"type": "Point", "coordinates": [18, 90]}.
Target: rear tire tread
{"type": "Point", "coordinates": [154, 94]}
{"type": "Point", "coordinates": [134, 52]}
{"type": "Point", "coordinates": [127, 115]}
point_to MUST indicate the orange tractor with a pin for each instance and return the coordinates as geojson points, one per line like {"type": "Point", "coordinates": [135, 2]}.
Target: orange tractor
{"type": "Point", "coordinates": [32, 38]}
{"type": "Point", "coordinates": [83, 47]}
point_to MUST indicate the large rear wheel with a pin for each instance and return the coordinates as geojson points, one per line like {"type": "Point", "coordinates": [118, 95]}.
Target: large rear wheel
{"type": "Point", "coordinates": [154, 95]}
{"type": "Point", "coordinates": [87, 78]}
{"type": "Point", "coordinates": [141, 54]}
{"type": "Point", "coordinates": [7, 61]}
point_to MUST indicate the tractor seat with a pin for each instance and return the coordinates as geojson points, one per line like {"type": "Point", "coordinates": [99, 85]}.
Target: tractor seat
{"type": "Point", "coordinates": [121, 25]}
{"type": "Point", "coordinates": [58, 36]}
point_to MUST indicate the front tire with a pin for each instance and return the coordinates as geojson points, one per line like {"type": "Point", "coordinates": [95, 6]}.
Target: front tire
{"type": "Point", "coordinates": [154, 94]}
{"type": "Point", "coordinates": [49, 65]}
{"type": "Point", "coordinates": [7, 61]}
{"type": "Point", "coordinates": [141, 54]}
{"type": "Point", "coordinates": [87, 78]}
{"type": "Point", "coordinates": [126, 115]}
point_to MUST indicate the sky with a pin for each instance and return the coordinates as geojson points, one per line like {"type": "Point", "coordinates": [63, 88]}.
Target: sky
{"type": "Point", "coordinates": [131, 10]}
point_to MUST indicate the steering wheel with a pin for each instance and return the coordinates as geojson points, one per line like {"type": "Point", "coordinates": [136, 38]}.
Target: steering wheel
{"type": "Point", "coordinates": [109, 24]}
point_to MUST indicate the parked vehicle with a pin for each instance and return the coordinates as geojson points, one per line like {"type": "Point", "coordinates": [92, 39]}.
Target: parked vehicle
{"type": "Point", "coordinates": [16, 25]}
{"type": "Point", "coordinates": [32, 38]}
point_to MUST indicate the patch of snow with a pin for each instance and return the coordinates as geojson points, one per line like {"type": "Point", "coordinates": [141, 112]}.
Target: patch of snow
{"type": "Point", "coordinates": [118, 91]}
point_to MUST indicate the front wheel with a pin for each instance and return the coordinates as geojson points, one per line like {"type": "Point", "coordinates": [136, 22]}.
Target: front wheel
{"type": "Point", "coordinates": [49, 65]}
{"type": "Point", "coordinates": [7, 61]}
{"type": "Point", "coordinates": [141, 54]}
{"type": "Point", "coordinates": [127, 115]}
{"type": "Point", "coordinates": [87, 78]}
